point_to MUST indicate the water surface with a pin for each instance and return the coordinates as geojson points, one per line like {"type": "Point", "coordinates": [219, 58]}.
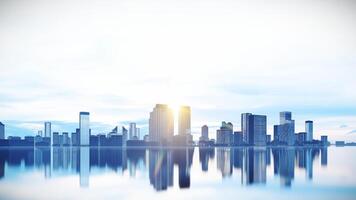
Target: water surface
{"type": "Point", "coordinates": [178, 173]}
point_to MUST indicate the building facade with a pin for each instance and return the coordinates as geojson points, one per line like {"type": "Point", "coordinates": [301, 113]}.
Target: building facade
{"type": "Point", "coordinates": [2, 131]}
{"type": "Point", "coordinates": [132, 131]}
{"type": "Point", "coordinates": [205, 133]}
{"type": "Point", "coordinates": [184, 120]}
{"type": "Point", "coordinates": [285, 131]}
{"type": "Point", "coordinates": [254, 129]}
{"type": "Point", "coordinates": [161, 124]}
{"type": "Point", "coordinates": [84, 128]}
{"type": "Point", "coordinates": [309, 130]}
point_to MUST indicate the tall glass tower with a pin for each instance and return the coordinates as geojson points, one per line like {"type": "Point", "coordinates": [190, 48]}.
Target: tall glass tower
{"type": "Point", "coordinates": [84, 128]}
{"type": "Point", "coordinates": [184, 120]}
{"type": "Point", "coordinates": [161, 123]}
{"type": "Point", "coordinates": [48, 132]}
{"type": "Point", "coordinates": [309, 130]}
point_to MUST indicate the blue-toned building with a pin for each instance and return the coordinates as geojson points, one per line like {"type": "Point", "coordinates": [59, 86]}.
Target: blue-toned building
{"type": "Point", "coordinates": [224, 136]}
{"type": "Point", "coordinates": [254, 129]}
{"type": "Point", "coordinates": [84, 128]}
{"type": "Point", "coordinates": [309, 130]}
{"type": "Point", "coordinates": [2, 131]}
{"type": "Point", "coordinates": [284, 132]}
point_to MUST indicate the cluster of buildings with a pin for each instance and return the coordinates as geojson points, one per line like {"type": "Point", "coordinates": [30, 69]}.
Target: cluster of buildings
{"type": "Point", "coordinates": [161, 126]}
{"type": "Point", "coordinates": [254, 133]}
{"type": "Point", "coordinates": [161, 132]}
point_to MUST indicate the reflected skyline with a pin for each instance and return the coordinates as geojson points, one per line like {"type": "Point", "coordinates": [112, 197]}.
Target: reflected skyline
{"type": "Point", "coordinates": [159, 163]}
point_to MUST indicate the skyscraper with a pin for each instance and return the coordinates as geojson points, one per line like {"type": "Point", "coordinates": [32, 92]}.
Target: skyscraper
{"type": "Point", "coordinates": [132, 132]}
{"type": "Point", "coordinates": [284, 132]}
{"type": "Point", "coordinates": [205, 133]}
{"type": "Point", "coordinates": [161, 124]}
{"type": "Point", "coordinates": [2, 131]}
{"type": "Point", "coordinates": [48, 132]}
{"type": "Point", "coordinates": [254, 129]}
{"type": "Point", "coordinates": [84, 128]}
{"type": "Point", "coordinates": [245, 126]}
{"type": "Point", "coordinates": [184, 120]}
{"type": "Point", "coordinates": [284, 117]}
{"type": "Point", "coordinates": [309, 130]}
{"type": "Point", "coordinates": [124, 136]}
{"type": "Point", "coordinates": [224, 136]}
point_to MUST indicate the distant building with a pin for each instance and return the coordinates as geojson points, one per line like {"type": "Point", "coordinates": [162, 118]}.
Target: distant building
{"type": "Point", "coordinates": [324, 140]}
{"type": "Point", "coordinates": [340, 143]}
{"type": "Point", "coordinates": [48, 132]}
{"type": "Point", "coordinates": [2, 131]}
{"type": "Point", "coordinates": [124, 136]}
{"type": "Point", "coordinates": [66, 141]}
{"type": "Point", "coordinates": [84, 128]}
{"type": "Point", "coordinates": [268, 139]}
{"type": "Point", "coordinates": [224, 136]}
{"type": "Point", "coordinates": [301, 138]}
{"type": "Point", "coordinates": [74, 139]}
{"type": "Point", "coordinates": [40, 133]}
{"type": "Point", "coordinates": [132, 131]}
{"type": "Point", "coordinates": [309, 130]}
{"type": "Point", "coordinates": [254, 128]}
{"type": "Point", "coordinates": [138, 133]}
{"type": "Point", "coordinates": [284, 132]}
{"type": "Point", "coordinates": [161, 124]}
{"type": "Point", "coordinates": [245, 126]}
{"type": "Point", "coordinates": [285, 116]}
{"type": "Point", "coordinates": [238, 139]}
{"type": "Point", "coordinates": [146, 138]}
{"type": "Point", "coordinates": [205, 133]}
{"type": "Point", "coordinates": [55, 139]}
{"type": "Point", "coordinates": [184, 120]}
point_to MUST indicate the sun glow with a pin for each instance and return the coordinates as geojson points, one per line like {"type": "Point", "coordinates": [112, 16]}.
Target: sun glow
{"type": "Point", "coordinates": [175, 109]}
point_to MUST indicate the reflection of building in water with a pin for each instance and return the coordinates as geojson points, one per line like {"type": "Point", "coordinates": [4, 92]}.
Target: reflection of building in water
{"type": "Point", "coordinates": [324, 156]}
{"type": "Point", "coordinates": [160, 169]}
{"type": "Point", "coordinates": [84, 166]}
{"type": "Point", "coordinates": [3, 158]}
{"type": "Point", "coordinates": [252, 162]}
{"type": "Point", "coordinates": [184, 158]}
{"type": "Point", "coordinates": [136, 158]}
{"type": "Point", "coordinates": [223, 161]}
{"type": "Point", "coordinates": [206, 153]}
{"type": "Point", "coordinates": [237, 156]}
{"type": "Point", "coordinates": [254, 165]}
{"type": "Point", "coordinates": [309, 163]}
{"type": "Point", "coordinates": [283, 159]}
{"type": "Point", "coordinates": [305, 158]}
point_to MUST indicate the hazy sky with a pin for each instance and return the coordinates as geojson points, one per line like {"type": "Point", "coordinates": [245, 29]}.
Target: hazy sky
{"type": "Point", "coordinates": [117, 59]}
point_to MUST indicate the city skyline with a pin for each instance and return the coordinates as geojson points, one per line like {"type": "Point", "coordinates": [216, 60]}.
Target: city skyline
{"type": "Point", "coordinates": [162, 123]}
{"type": "Point", "coordinates": [219, 58]}
{"type": "Point", "coordinates": [177, 99]}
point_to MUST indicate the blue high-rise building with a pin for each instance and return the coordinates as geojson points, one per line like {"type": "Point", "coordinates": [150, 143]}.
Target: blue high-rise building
{"type": "Point", "coordinates": [254, 129]}
{"type": "Point", "coordinates": [224, 136]}
{"type": "Point", "coordinates": [84, 128]}
{"type": "Point", "coordinates": [245, 126]}
{"type": "Point", "coordinates": [284, 132]}
{"type": "Point", "coordinates": [2, 131]}
{"type": "Point", "coordinates": [309, 130]}
{"type": "Point", "coordinates": [48, 132]}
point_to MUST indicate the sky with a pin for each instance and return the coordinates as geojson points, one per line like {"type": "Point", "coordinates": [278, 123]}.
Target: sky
{"type": "Point", "coordinates": [117, 59]}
